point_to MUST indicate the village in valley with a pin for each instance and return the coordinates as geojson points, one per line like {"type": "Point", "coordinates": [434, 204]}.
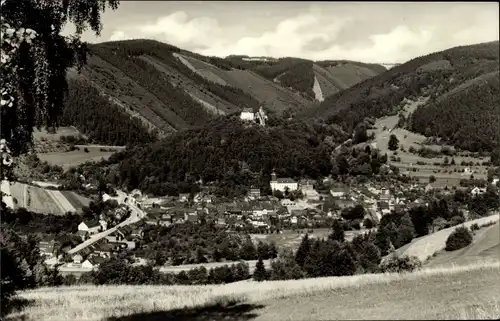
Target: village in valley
{"type": "Point", "coordinates": [294, 207]}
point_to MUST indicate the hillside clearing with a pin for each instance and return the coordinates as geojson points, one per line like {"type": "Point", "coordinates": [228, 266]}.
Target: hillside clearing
{"type": "Point", "coordinates": [429, 293]}
{"type": "Point", "coordinates": [75, 157]}
{"type": "Point", "coordinates": [424, 167]}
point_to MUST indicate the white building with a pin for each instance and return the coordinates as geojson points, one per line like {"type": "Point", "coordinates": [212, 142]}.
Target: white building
{"type": "Point", "coordinates": [91, 227]}
{"type": "Point", "coordinates": [259, 117]}
{"type": "Point", "coordinates": [338, 192]}
{"type": "Point", "coordinates": [247, 114]}
{"type": "Point", "coordinates": [478, 191]}
{"type": "Point", "coordinates": [282, 184]}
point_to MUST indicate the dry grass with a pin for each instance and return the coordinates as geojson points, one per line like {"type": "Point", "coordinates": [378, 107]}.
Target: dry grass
{"type": "Point", "coordinates": [373, 296]}
{"type": "Point", "coordinates": [430, 244]}
{"type": "Point", "coordinates": [39, 201]}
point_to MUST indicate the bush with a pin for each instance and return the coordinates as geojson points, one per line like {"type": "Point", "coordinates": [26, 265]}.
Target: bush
{"type": "Point", "coordinates": [86, 150]}
{"type": "Point", "coordinates": [474, 227]}
{"type": "Point", "coordinates": [400, 264]}
{"type": "Point", "coordinates": [459, 239]}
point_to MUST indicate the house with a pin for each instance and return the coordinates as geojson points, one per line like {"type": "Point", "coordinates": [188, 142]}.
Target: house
{"type": "Point", "coordinates": [93, 262]}
{"type": "Point", "coordinates": [428, 188]}
{"type": "Point", "coordinates": [477, 191]}
{"type": "Point", "coordinates": [254, 193]}
{"type": "Point", "coordinates": [307, 188]}
{"type": "Point", "coordinates": [191, 216]}
{"type": "Point", "coordinates": [47, 248]}
{"type": "Point", "coordinates": [90, 226]}
{"type": "Point", "coordinates": [106, 249]}
{"type": "Point", "coordinates": [495, 181]}
{"type": "Point", "coordinates": [339, 192]}
{"type": "Point", "coordinates": [77, 259]}
{"type": "Point", "coordinates": [183, 197]}
{"type": "Point", "coordinates": [283, 184]}
{"type": "Point", "coordinates": [247, 114]}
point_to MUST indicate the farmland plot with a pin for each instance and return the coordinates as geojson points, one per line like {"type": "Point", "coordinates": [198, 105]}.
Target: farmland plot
{"type": "Point", "coordinates": [39, 201]}
{"type": "Point", "coordinates": [61, 201]}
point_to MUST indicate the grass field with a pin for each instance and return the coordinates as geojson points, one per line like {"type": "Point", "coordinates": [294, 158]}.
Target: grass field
{"type": "Point", "coordinates": [445, 291]}
{"type": "Point", "coordinates": [437, 293]}
{"type": "Point", "coordinates": [42, 200]}
{"type": "Point", "coordinates": [486, 244]}
{"type": "Point", "coordinates": [430, 244]}
{"type": "Point", "coordinates": [75, 157]}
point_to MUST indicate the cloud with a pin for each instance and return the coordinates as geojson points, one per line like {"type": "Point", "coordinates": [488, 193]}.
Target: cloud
{"type": "Point", "coordinates": [312, 34]}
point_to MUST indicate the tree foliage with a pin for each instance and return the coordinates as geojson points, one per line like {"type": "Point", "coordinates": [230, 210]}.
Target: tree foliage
{"type": "Point", "coordinates": [39, 79]}
{"type": "Point", "coordinates": [459, 238]}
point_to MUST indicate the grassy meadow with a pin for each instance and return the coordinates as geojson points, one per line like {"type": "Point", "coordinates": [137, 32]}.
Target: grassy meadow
{"type": "Point", "coordinates": [451, 292]}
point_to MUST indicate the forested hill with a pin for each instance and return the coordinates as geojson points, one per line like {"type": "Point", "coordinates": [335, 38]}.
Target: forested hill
{"type": "Point", "coordinates": [170, 89]}
{"type": "Point", "coordinates": [463, 86]}
{"type": "Point", "coordinates": [226, 153]}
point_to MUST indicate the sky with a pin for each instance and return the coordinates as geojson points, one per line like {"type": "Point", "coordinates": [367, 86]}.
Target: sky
{"type": "Point", "coordinates": [361, 31]}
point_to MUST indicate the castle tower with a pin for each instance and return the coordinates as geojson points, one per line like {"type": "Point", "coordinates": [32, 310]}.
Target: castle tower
{"type": "Point", "coordinates": [273, 177]}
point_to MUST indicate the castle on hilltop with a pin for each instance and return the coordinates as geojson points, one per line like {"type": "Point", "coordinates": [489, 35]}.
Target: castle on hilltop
{"type": "Point", "coordinates": [260, 117]}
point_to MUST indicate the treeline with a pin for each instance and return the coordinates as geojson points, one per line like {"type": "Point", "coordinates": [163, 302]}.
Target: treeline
{"type": "Point", "coordinates": [119, 270]}
{"type": "Point", "coordinates": [467, 119]}
{"type": "Point", "coordinates": [24, 221]}
{"type": "Point", "coordinates": [191, 243]}
{"type": "Point", "coordinates": [227, 154]}
{"type": "Point", "coordinates": [291, 72]}
{"type": "Point", "coordinates": [99, 119]}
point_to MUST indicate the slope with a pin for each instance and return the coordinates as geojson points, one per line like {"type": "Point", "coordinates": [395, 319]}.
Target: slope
{"type": "Point", "coordinates": [444, 77]}
{"type": "Point", "coordinates": [433, 294]}
{"type": "Point", "coordinates": [169, 89]}
{"type": "Point", "coordinates": [486, 245]}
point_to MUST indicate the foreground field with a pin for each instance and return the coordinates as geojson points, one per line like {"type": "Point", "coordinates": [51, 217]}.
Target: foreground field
{"type": "Point", "coordinates": [438, 293]}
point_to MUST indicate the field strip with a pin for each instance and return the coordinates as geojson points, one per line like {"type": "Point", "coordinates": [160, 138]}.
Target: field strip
{"type": "Point", "coordinates": [61, 201]}
{"type": "Point", "coordinates": [430, 244]}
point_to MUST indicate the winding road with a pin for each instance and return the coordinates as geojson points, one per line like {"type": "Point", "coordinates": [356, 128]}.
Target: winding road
{"type": "Point", "coordinates": [136, 214]}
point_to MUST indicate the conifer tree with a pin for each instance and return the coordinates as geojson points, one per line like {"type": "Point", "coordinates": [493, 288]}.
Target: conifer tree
{"type": "Point", "coordinates": [260, 273]}
{"type": "Point", "coordinates": [303, 251]}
